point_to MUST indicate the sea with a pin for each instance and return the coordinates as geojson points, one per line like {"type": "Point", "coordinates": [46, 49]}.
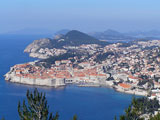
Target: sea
{"type": "Point", "coordinates": [88, 103]}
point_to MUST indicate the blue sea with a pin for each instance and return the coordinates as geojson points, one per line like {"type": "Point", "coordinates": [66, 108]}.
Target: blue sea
{"type": "Point", "coordinates": [88, 103]}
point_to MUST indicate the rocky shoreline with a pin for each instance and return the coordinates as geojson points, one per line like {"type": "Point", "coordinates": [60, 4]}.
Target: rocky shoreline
{"type": "Point", "coordinates": [133, 92]}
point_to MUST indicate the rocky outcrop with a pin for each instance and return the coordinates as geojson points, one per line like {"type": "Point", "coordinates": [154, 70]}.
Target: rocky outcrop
{"type": "Point", "coordinates": [33, 48]}
{"type": "Point", "coordinates": [37, 44]}
{"type": "Point", "coordinates": [38, 55]}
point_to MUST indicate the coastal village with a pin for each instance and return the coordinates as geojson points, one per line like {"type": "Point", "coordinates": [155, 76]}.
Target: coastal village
{"type": "Point", "coordinates": [133, 69]}
{"type": "Point", "coordinates": [80, 60]}
{"type": "Point", "coordinates": [128, 68]}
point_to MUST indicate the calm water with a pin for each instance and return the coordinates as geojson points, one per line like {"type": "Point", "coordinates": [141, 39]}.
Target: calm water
{"type": "Point", "coordinates": [88, 103]}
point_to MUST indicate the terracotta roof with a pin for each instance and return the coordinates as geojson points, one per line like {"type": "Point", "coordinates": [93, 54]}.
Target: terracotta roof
{"type": "Point", "coordinates": [101, 75]}
{"type": "Point", "coordinates": [124, 85]}
{"type": "Point", "coordinates": [18, 70]}
{"type": "Point", "coordinates": [132, 77]}
{"type": "Point", "coordinates": [79, 74]}
{"type": "Point", "coordinates": [153, 94]}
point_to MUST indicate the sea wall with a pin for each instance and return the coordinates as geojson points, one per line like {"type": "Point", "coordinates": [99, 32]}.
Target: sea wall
{"type": "Point", "coordinates": [11, 77]}
{"type": "Point", "coordinates": [134, 92]}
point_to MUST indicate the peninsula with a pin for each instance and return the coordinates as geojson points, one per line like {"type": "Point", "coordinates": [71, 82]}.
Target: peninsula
{"type": "Point", "coordinates": [77, 58]}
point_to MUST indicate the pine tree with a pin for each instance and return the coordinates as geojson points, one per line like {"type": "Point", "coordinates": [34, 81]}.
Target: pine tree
{"type": "Point", "coordinates": [156, 117]}
{"type": "Point", "coordinates": [36, 109]}
{"type": "Point", "coordinates": [75, 117]}
{"type": "Point", "coordinates": [3, 118]}
{"type": "Point", "coordinates": [115, 117]}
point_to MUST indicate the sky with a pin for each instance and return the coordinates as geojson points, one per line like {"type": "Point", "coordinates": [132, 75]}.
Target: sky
{"type": "Point", "coordinates": [84, 15]}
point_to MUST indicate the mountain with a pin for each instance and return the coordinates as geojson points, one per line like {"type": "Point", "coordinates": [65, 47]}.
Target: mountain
{"type": "Point", "coordinates": [143, 34]}
{"type": "Point", "coordinates": [63, 32]}
{"type": "Point", "coordinates": [72, 38]}
{"type": "Point", "coordinates": [111, 32]}
{"type": "Point", "coordinates": [75, 38]}
{"type": "Point", "coordinates": [111, 35]}
{"type": "Point", "coordinates": [115, 36]}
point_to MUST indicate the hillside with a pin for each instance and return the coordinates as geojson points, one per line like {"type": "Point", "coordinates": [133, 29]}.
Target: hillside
{"type": "Point", "coordinates": [75, 38]}
{"type": "Point", "coordinates": [60, 44]}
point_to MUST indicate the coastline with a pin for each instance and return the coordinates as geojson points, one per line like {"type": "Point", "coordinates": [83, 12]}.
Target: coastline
{"type": "Point", "coordinates": [59, 83]}
{"type": "Point", "coordinates": [21, 88]}
{"type": "Point", "coordinates": [39, 82]}
{"type": "Point", "coordinates": [139, 93]}
{"type": "Point", "coordinates": [116, 72]}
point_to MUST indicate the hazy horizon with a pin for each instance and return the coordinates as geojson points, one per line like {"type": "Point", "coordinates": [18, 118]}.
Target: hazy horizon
{"type": "Point", "coordinates": [87, 16]}
{"type": "Point", "coordinates": [41, 31]}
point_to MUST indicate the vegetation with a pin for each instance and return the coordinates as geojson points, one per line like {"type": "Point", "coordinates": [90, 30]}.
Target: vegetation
{"type": "Point", "coordinates": [49, 61]}
{"type": "Point", "coordinates": [76, 38]}
{"type": "Point", "coordinates": [142, 82]}
{"type": "Point", "coordinates": [36, 108]}
{"type": "Point", "coordinates": [125, 45]}
{"type": "Point", "coordinates": [102, 57]}
{"type": "Point", "coordinates": [75, 117]}
{"type": "Point", "coordinates": [69, 55]}
{"type": "Point", "coordinates": [140, 106]}
{"type": "Point", "coordinates": [156, 117]}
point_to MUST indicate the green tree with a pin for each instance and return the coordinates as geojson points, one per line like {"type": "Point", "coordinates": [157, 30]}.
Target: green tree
{"type": "Point", "coordinates": [115, 117]}
{"type": "Point", "coordinates": [36, 109]}
{"type": "Point", "coordinates": [156, 117]}
{"type": "Point", "coordinates": [75, 117]}
{"type": "Point", "coordinates": [122, 117]}
{"type": "Point", "coordinates": [3, 118]}
{"type": "Point", "coordinates": [140, 106]}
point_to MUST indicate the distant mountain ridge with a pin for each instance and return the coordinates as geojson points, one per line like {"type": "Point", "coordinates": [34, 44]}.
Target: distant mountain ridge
{"type": "Point", "coordinates": [75, 37]}
{"type": "Point", "coordinates": [113, 35]}
{"type": "Point", "coordinates": [109, 35]}
{"type": "Point", "coordinates": [63, 32]}
{"type": "Point", "coordinates": [151, 33]}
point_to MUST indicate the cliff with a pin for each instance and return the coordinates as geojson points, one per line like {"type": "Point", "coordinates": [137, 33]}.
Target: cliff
{"type": "Point", "coordinates": [37, 44]}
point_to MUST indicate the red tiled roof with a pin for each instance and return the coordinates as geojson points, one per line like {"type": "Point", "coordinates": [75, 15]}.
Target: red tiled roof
{"type": "Point", "coordinates": [124, 85]}
{"type": "Point", "coordinates": [132, 77]}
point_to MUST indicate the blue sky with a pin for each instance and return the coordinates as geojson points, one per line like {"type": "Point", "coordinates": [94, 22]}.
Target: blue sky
{"type": "Point", "coordinates": [85, 15]}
